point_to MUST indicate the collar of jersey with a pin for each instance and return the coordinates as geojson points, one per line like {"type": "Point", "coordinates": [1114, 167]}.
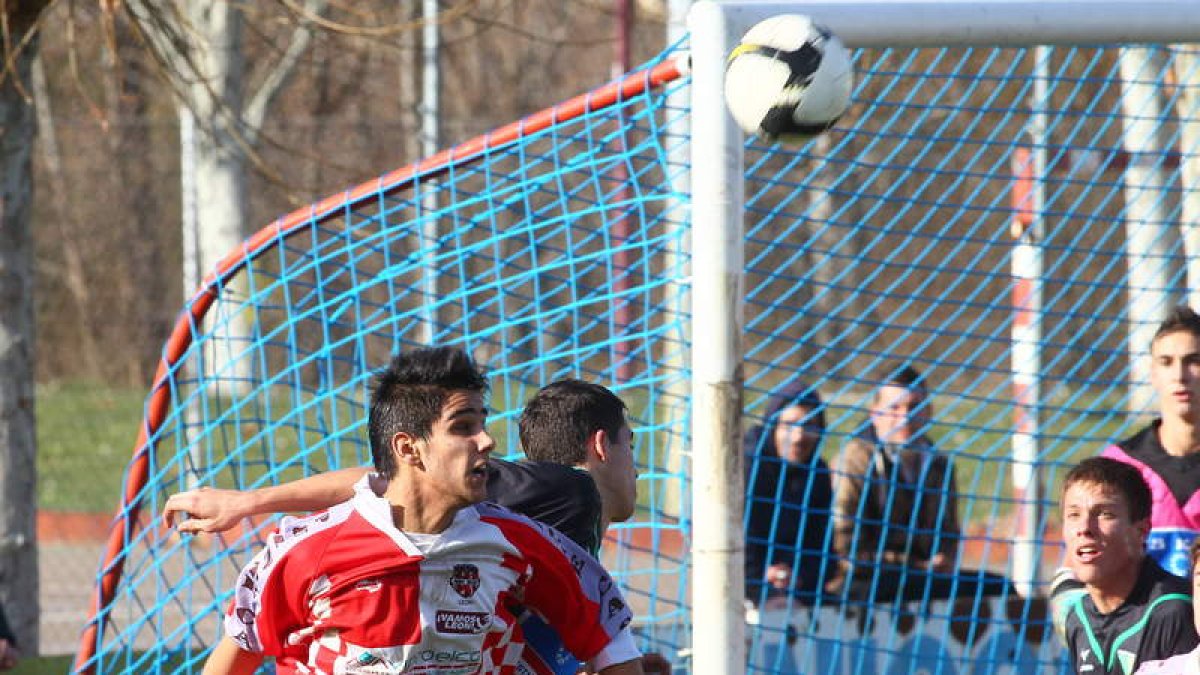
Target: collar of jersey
{"type": "Point", "coordinates": [378, 512]}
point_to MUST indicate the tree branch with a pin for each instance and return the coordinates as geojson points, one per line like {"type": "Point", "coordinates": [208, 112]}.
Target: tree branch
{"type": "Point", "coordinates": [255, 111]}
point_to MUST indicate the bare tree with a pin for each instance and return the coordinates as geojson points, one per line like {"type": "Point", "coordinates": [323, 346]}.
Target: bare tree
{"type": "Point", "coordinates": [18, 552]}
{"type": "Point", "coordinates": [200, 46]}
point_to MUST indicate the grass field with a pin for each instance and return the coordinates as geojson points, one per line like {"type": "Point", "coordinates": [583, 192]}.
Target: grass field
{"type": "Point", "coordinates": [85, 433]}
{"type": "Point", "coordinates": [46, 665]}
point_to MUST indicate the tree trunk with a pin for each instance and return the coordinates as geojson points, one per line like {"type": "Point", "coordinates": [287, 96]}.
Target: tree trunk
{"type": "Point", "coordinates": [18, 549]}
{"type": "Point", "coordinates": [220, 174]}
{"type": "Point", "coordinates": [201, 44]}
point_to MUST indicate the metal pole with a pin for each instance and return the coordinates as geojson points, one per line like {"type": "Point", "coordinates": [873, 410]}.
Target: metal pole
{"type": "Point", "coordinates": [621, 227]}
{"type": "Point", "coordinates": [1148, 232]}
{"type": "Point", "coordinates": [430, 139]}
{"type": "Point", "coordinates": [1029, 166]}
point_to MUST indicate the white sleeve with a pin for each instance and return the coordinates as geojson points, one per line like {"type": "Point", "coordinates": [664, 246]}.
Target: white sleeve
{"type": "Point", "coordinates": [621, 649]}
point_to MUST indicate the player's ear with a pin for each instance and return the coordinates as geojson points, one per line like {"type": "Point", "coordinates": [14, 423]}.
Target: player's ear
{"type": "Point", "coordinates": [1143, 528]}
{"type": "Point", "coordinates": [406, 448]}
{"type": "Point", "coordinates": [598, 445]}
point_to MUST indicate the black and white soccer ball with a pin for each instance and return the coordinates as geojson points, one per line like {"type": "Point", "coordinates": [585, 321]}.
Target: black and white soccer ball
{"type": "Point", "coordinates": [788, 79]}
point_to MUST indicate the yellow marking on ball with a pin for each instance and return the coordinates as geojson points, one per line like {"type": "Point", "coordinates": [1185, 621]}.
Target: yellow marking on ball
{"type": "Point", "coordinates": [742, 49]}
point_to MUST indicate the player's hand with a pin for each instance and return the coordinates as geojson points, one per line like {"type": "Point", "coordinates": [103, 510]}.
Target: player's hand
{"type": "Point", "coordinates": [779, 576]}
{"type": "Point", "coordinates": [206, 509]}
{"type": "Point", "coordinates": [9, 655]}
{"type": "Point", "coordinates": [656, 663]}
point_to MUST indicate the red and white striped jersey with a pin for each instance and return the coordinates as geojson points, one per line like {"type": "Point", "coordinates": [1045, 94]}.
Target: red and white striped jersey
{"type": "Point", "coordinates": [345, 591]}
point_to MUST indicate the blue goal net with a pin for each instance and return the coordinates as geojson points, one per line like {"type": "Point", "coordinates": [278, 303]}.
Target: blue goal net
{"type": "Point", "coordinates": [1008, 223]}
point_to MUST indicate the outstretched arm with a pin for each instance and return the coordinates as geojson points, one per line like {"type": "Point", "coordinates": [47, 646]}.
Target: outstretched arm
{"type": "Point", "coordinates": [216, 510]}
{"type": "Point", "coordinates": [229, 659]}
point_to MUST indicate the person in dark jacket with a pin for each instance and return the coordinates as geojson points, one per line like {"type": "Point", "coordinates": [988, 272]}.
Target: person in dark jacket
{"type": "Point", "coordinates": [788, 495]}
{"type": "Point", "coordinates": [9, 655]}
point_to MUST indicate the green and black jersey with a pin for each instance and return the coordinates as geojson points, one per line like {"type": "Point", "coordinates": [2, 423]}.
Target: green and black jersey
{"type": "Point", "coordinates": [1153, 623]}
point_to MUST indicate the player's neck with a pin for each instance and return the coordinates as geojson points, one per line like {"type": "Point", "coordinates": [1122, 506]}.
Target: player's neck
{"type": "Point", "coordinates": [413, 510]}
{"type": "Point", "coordinates": [1179, 436]}
{"type": "Point", "coordinates": [1112, 594]}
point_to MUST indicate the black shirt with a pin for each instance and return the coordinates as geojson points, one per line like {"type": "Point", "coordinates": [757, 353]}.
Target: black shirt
{"type": "Point", "coordinates": [562, 497]}
{"type": "Point", "coordinates": [6, 631]}
{"type": "Point", "coordinates": [787, 516]}
{"type": "Point", "coordinates": [1154, 622]}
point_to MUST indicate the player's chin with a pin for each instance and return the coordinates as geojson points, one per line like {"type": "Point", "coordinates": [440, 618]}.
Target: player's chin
{"type": "Point", "coordinates": [473, 493]}
{"type": "Point", "coordinates": [1088, 573]}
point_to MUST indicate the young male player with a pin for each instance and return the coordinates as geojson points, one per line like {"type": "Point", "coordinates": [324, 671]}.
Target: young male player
{"type": "Point", "coordinates": [424, 578]}
{"type": "Point", "coordinates": [580, 475]}
{"type": "Point", "coordinates": [1119, 608]}
{"type": "Point", "coordinates": [1167, 453]}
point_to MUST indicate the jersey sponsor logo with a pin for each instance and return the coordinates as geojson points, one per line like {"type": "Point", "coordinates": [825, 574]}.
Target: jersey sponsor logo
{"type": "Point", "coordinates": [465, 580]}
{"type": "Point", "coordinates": [1169, 548]}
{"type": "Point", "coordinates": [427, 658]}
{"type": "Point", "coordinates": [461, 623]}
{"type": "Point", "coordinates": [441, 661]}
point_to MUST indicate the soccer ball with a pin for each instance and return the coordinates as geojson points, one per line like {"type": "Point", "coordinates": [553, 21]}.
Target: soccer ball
{"type": "Point", "coordinates": [788, 79]}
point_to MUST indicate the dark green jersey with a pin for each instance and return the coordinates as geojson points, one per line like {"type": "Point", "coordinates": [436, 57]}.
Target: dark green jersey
{"type": "Point", "coordinates": [1153, 623]}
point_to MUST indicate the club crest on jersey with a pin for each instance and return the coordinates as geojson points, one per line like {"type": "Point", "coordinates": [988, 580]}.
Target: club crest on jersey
{"type": "Point", "coordinates": [465, 580]}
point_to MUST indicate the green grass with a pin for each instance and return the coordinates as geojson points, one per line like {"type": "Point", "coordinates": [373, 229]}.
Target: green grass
{"type": "Point", "coordinates": [85, 435]}
{"type": "Point", "coordinates": [45, 665]}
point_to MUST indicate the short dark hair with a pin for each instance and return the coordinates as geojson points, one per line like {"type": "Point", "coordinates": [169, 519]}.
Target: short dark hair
{"type": "Point", "coordinates": [1119, 476]}
{"type": "Point", "coordinates": [904, 375]}
{"type": "Point", "coordinates": [1181, 319]}
{"type": "Point", "coordinates": [558, 421]}
{"type": "Point", "coordinates": [408, 396]}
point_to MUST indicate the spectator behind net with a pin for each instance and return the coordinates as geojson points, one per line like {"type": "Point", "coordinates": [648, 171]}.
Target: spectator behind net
{"type": "Point", "coordinates": [788, 495]}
